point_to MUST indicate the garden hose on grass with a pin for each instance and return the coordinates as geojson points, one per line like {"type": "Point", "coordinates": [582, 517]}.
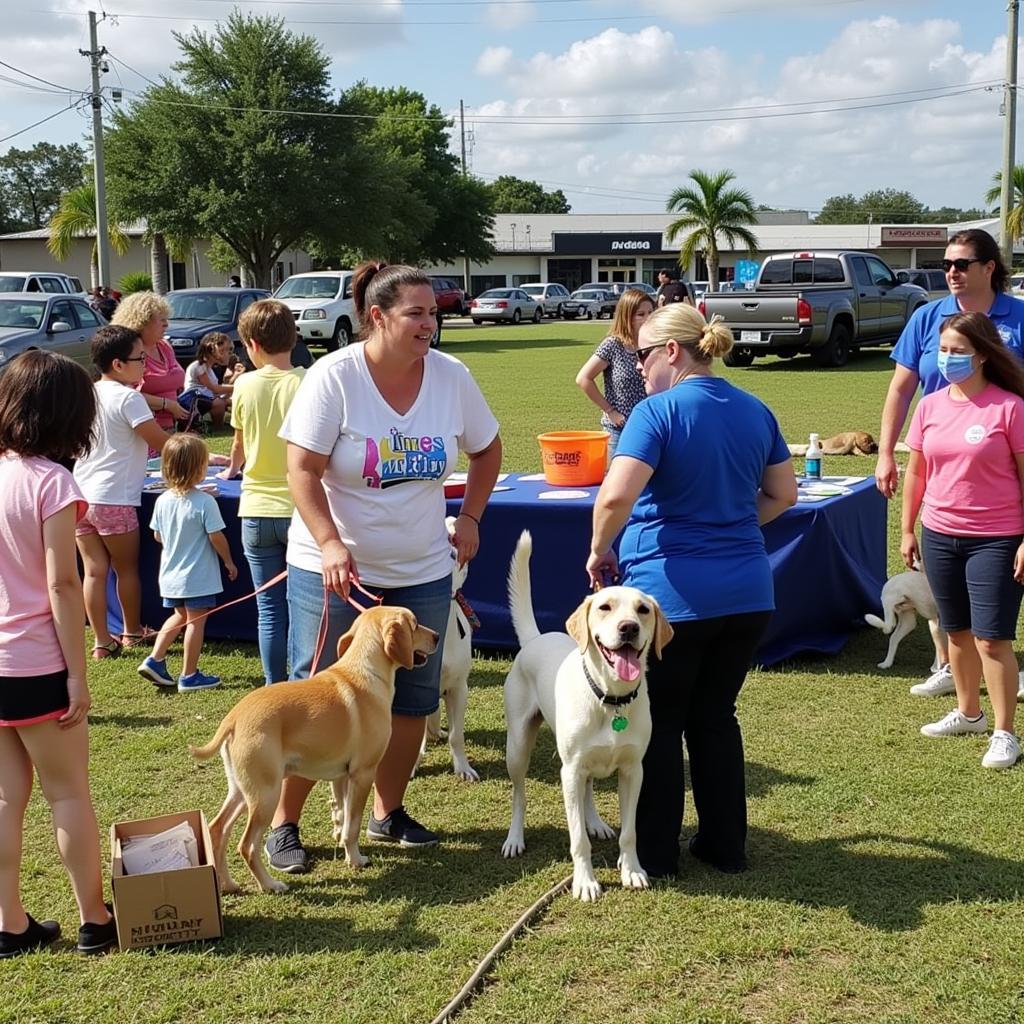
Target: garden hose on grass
{"type": "Point", "coordinates": [468, 990]}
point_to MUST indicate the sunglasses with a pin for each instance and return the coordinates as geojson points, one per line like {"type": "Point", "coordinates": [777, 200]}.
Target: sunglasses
{"type": "Point", "coordinates": [961, 264]}
{"type": "Point", "coordinates": [643, 353]}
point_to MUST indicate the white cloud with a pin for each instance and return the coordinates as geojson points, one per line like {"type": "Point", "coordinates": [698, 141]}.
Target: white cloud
{"type": "Point", "coordinates": [943, 150]}
{"type": "Point", "coordinates": [510, 16]}
{"type": "Point", "coordinates": [495, 60]}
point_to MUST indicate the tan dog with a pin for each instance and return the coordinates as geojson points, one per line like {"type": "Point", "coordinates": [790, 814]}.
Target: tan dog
{"type": "Point", "coordinates": [335, 726]}
{"type": "Point", "coordinates": [852, 442]}
{"type": "Point", "coordinates": [589, 685]}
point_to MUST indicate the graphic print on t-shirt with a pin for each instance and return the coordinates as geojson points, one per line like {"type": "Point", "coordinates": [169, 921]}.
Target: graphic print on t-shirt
{"type": "Point", "coordinates": [397, 459]}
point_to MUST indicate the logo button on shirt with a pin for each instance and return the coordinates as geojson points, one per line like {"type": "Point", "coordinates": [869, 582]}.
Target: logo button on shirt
{"type": "Point", "coordinates": [974, 434]}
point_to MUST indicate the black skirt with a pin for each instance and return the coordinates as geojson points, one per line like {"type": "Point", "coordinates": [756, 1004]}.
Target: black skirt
{"type": "Point", "coordinates": [25, 700]}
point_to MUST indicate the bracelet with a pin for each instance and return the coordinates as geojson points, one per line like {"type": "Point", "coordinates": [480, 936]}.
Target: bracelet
{"type": "Point", "coordinates": [468, 516]}
{"type": "Point", "coordinates": [163, 404]}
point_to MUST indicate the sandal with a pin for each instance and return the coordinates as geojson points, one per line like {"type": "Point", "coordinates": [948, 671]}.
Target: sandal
{"type": "Point", "coordinates": [111, 650]}
{"type": "Point", "coordinates": [132, 639]}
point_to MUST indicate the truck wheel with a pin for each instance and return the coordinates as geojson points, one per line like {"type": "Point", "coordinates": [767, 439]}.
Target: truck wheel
{"type": "Point", "coordinates": [836, 351]}
{"type": "Point", "coordinates": [341, 337]}
{"type": "Point", "coordinates": [740, 357]}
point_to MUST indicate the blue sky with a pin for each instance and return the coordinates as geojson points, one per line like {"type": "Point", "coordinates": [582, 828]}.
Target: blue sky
{"type": "Point", "coordinates": [554, 89]}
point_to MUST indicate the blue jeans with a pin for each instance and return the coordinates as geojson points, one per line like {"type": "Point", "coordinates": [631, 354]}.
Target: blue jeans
{"type": "Point", "coordinates": [265, 541]}
{"type": "Point", "coordinates": [417, 691]}
{"type": "Point", "coordinates": [614, 433]}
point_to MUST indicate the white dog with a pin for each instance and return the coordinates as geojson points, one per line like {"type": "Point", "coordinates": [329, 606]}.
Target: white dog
{"type": "Point", "coordinates": [589, 686]}
{"type": "Point", "coordinates": [904, 597]}
{"type": "Point", "coordinates": [456, 663]}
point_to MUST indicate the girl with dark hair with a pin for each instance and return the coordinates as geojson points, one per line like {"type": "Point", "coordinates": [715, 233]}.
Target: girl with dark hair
{"type": "Point", "coordinates": [977, 279]}
{"type": "Point", "coordinates": [373, 432]}
{"type": "Point", "coordinates": [967, 468]}
{"type": "Point", "coordinates": [615, 358]}
{"type": "Point", "coordinates": [47, 407]}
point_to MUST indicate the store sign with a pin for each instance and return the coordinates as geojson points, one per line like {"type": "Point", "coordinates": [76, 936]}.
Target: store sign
{"type": "Point", "coordinates": [596, 243]}
{"type": "Point", "coordinates": [914, 236]}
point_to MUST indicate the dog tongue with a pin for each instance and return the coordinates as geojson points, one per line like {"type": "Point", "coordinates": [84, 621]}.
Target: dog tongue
{"type": "Point", "coordinates": [626, 663]}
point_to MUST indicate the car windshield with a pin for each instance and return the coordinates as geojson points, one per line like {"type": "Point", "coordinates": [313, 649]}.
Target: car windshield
{"type": "Point", "coordinates": [201, 306]}
{"type": "Point", "coordinates": [309, 288]}
{"type": "Point", "coordinates": [533, 289]}
{"type": "Point", "coordinates": [28, 315]}
{"type": "Point", "coordinates": [586, 295]}
{"type": "Point", "coordinates": [497, 293]}
{"type": "Point", "coordinates": [12, 284]}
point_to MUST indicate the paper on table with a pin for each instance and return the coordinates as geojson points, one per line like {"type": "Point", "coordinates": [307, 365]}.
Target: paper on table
{"type": "Point", "coordinates": [533, 476]}
{"type": "Point", "coordinates": [562, 495]}
{"type": "Point", "coordinates": [461, 478]}
{"type": "Point", "coordinates": [171, 850]}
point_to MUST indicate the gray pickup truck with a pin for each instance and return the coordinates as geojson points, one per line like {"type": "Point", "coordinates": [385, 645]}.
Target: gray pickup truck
{"type": "Point", "coordinates": [824, 303]}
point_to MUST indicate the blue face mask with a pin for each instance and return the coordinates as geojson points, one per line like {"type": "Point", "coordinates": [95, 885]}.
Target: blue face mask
{"type": "Point", "coordinates": [955, 367]}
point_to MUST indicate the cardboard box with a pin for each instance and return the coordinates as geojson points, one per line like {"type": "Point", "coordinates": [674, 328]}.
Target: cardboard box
{"type": "Point", "coordinates": [167, 906]}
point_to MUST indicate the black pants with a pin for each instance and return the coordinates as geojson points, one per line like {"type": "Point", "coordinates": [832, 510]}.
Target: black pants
{"type": "Point", "coordinates": [693, 692]}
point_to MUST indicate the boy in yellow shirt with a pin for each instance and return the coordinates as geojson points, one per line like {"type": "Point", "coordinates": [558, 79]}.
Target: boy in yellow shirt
{"type": "Point", "coordinates": [259, 403]}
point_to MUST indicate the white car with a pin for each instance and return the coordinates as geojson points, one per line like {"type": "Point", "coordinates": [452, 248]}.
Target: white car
{"type": "Point", "coordinates": [549, 295]}
{"type": "Point", "coordinates": [49, 281]}
{"type": "Point", "coordinates": [589, 303]}
{"type": "Point", "coordinates": [322, 303]}
{"type": "Point", "coordinates": [507, 305]}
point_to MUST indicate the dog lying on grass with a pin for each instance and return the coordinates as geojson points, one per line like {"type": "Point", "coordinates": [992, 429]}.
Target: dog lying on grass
{"type": "Point", "coordinates": [852, 442]}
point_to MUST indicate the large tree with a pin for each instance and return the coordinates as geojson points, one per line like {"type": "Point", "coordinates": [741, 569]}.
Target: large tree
{"type": "Point", "coordinates": [879, 206]}
{"type": "Point", "coordinates": [510, 194]}
{"type": "Point", "coordinates": [76, 218]}
{"type": "Point", "coordinates": [709, 210]}
{"type": "Point", "coordinates": [223, 153]}
{"type": "Point", "coordinates": [425, 210]}
{"type": "Point", "coordinates": [995, 195]}
{"type": "Point", "coordinates": [32, 182]}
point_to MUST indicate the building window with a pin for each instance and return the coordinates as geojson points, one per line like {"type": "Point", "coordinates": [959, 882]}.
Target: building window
{"type": "Point", "coordinates": [481, 282]}
{"type": "Point", "coordinates": [521, 279]}
{"type": "Point", "coordinates": [616, 269]}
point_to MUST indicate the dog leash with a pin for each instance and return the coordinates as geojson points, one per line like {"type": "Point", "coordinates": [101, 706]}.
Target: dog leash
{"type": "Point", "coordinates": [325, 617]}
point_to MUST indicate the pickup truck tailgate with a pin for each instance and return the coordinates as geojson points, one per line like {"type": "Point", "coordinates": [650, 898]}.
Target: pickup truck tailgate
{"type": "Point", "coordinates": [753, 312]}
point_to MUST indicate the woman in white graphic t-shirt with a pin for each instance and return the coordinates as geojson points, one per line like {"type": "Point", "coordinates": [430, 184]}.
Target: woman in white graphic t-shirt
{"type": "Point", "coordinates": [373, 432]}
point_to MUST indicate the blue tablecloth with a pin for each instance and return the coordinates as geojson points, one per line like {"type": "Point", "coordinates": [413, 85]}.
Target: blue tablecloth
{"type": "Point", "coordinates": [828, 560]}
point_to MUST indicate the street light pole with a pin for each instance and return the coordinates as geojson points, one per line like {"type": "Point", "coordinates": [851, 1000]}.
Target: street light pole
{"type": "Point", "coordinates": [95, 54]}
{"type": "Point", "coordinates": [1009, 134]}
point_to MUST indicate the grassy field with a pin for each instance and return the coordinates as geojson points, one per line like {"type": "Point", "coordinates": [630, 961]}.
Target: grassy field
{"type": "Point", "coordinates": [886, 868]}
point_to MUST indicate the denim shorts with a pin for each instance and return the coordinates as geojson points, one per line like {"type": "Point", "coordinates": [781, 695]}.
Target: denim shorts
{"type": "Point", "coordinates": [192, 603]}
{"type": "Point", "coordinates": [972, 580]}
{"type": "Point", "coordinates": [417, 691]}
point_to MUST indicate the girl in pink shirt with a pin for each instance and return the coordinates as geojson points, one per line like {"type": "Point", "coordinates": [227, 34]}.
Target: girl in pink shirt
{"type": "Point", "coordinates": [47, 408]}
{"type": "Point", "coordinates": [967, 468]}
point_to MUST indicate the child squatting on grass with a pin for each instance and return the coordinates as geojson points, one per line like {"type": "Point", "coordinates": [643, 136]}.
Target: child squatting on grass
{"type": "Point", "coordinates": [47, 409]}
{"type": "Point", "coordinates": [188, 523]}
{"type": "Point", "coordinates": [203, 392]}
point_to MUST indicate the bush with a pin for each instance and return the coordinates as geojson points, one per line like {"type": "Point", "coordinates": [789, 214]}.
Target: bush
{"type": "Point", "coordinates": [136, 281]}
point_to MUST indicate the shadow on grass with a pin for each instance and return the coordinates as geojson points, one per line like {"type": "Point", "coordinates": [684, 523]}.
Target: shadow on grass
{"type": "Point", "coordinates": [884, 881]}
{"type": "Point", "coordinates": [132, 721]}
{"type": "Point", "coordinates": [872, 360]}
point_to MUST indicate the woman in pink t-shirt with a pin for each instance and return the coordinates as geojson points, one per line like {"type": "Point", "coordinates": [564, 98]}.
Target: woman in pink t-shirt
{"type": "Point", "coordinates": [47, 408]}
{"type": "Point", "coordinates": [967, 468]}
{"type": "Point", "coordinates": [163, 377]}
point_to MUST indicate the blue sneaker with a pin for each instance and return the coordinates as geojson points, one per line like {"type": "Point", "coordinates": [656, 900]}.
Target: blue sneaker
{"type": "Point", "coordinates": [197, 681]}
{"type": "Point", "coordinates": [155, 671]}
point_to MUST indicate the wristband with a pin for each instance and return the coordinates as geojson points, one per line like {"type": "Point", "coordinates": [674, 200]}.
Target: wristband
{"type": "Point", "coordinates": [163, 404]}
{"type": "Point", "coordinates": [468, 516]}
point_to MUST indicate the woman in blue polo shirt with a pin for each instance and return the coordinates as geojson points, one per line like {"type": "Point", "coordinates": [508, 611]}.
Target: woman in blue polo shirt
{"type": "Point", "coordinates": [700, 465]}
{"type": "Point", "coordinates": [978, 281]}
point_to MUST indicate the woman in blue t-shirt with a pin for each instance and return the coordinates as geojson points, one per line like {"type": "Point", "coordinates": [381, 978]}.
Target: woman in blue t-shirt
{"type": "Point", "coordinates": [699, 467]}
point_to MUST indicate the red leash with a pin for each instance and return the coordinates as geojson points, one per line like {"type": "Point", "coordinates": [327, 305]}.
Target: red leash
{"type": "Point", "coordinates": [321, 636]}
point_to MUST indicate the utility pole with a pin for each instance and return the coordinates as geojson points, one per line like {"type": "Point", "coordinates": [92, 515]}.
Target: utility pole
{"type": "Point", "coordinates": [95, 54]}
{"type": "Point", "coordinates": [1009, 134]}
{"type": "Point", "coordinates": [465, 172]}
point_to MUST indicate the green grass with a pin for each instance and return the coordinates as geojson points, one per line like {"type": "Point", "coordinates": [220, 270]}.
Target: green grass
{"type": "Point", "coordinates": [886, 868]}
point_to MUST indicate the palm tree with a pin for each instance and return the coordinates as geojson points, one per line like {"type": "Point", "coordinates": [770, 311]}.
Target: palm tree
{"type": "Point", "coordinates": [76, 218]}
{"type": "Point", "coordinates": [994, 195]}
{"type": "Point", "coordinates": [708, 211]}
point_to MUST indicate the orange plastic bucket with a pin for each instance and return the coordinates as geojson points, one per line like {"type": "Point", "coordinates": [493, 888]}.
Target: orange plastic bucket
{"type": "Point", "coordinates": [574, 458]}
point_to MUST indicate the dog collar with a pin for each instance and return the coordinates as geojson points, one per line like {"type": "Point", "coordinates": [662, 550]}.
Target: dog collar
{"type": "Point", "coordinates": [471, 616]}
{"type": "Point", "coordinates": [607, 698]}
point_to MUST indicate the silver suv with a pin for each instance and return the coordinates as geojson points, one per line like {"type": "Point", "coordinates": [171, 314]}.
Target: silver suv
{"type": "Point", "coordinates": [550, 296]}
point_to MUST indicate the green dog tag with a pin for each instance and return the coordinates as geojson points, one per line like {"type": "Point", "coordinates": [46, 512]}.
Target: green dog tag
{"type": "Point", "coordinates": [619, 723]}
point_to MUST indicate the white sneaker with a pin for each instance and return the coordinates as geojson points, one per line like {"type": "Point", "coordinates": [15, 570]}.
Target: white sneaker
{"type": "Point", "coordinates": [1003, 750]}
{"type": "Point", "coordinates": [955, 724]}
{"type": "Point", "coordinates": [938, 684]}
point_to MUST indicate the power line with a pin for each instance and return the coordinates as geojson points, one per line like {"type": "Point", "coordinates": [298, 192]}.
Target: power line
{"type": "Point", "coordinates": [31, 88]}
{"type": "Point", "coordinates": [45, 81]}
{"type": "Point", "coordinates": [36, 124]}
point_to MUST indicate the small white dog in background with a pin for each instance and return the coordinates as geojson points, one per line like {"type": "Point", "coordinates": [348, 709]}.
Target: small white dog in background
{"type": "Point", "coordinates": [456, 663]}
{"type": "Point", "coordinates": [904, 597]}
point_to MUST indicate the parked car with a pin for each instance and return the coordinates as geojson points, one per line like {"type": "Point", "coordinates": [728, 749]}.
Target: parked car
{"type": "Point", "coordinates": [549, 294]}
{"type": "Point", "coordinates": [56, 322]}
{"type": "Point", "coordinates": [507, 305]}
{"type": "Point", "coordinates": [588, 303]}
{"type": "Point", "coordinates": [698, 288]}
{"type": "Point", "coordinates": [197, 311]}
{"type": "Point", "coordinates": [932, 281]}
{"type": "Point", "coordinates": [618, 287]}
{"type": "Point", "coordinates": [825, 303]}
{"type": "Point", "coordinates": [322, 303]}
{"type": "Point", "coordinates": [450, 298]}
{"type": "Point", "coordinates": [40, 281]}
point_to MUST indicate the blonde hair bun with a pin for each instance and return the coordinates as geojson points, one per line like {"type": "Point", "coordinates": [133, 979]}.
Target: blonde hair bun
{"type": "Point", "coordinates": [716, 339]}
